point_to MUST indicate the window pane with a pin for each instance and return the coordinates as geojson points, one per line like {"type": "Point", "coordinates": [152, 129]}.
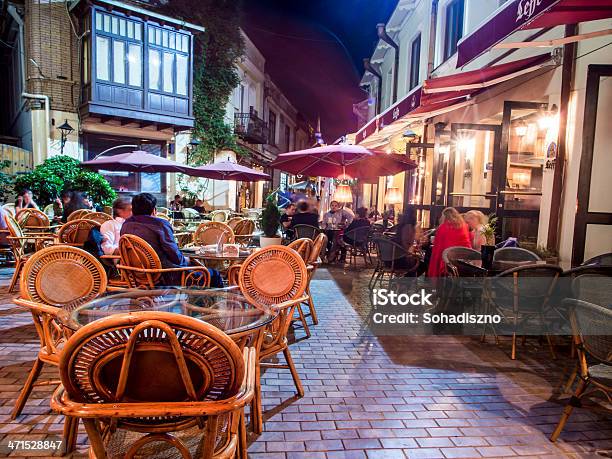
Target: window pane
{"type": "Point", "coordinates": [154, 69]}
{"type": "Point", "coordinates": [151, 34]}
{"type": "Point", "coordinates": [415, 60]}
{"type": "Point", "coordinates": [185, 43]}
{"type": "Point", "coordinates": [98, 21]}
{"type": "Point", "coordinates": [158, 38]}
{"type": "Point", "coordinates": [115, 26]}
{"type": "Point", "coordinates": [168, 70]}
{"type": "Point", "coordinates": [165, 38]}
{"type": "Point", "coordinates": [107, 23]}
{"type": "Point", "coordinates": [119, 62]}
{"type": "Point", "coordinates": [102, 58]}
{"type": "Point", "coordinates": [135, 65]}
{"type": "Point", "coordinates": [172, 43]}
{"type": "Point", "coordinates": [181, 74]}
{"type": "Point", "coordinates": [138, 31]}
{"type": "Point", "coordinates": [122, 27]}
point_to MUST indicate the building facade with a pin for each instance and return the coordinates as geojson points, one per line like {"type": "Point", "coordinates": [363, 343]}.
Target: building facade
{"type": "Point", "coordinates": [513, 127]}
{"type": "Point", "coordinates": [121, 76]}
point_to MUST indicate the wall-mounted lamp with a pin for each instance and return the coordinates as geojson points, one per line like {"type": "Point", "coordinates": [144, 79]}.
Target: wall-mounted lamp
{"type": "Point", "coordinates": [65, 130]}
{"type": "Point", "coordinates": [343, 193]}
{"type": "Point", "coordinates": [191, 147]}
{"type": "Point", "coordinates": [393, 196]}
{"type": "Point", "coordinates": [549, 118]}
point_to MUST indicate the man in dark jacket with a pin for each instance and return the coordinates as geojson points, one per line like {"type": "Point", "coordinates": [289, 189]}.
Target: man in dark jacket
{"type": "Point", "coordinates": [160, 236]}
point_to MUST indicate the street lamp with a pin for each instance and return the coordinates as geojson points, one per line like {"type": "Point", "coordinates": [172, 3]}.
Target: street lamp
{"type": "Point", "coordinates": [65, 130]}
{"type": "Point", "coordinates": [193, 145]}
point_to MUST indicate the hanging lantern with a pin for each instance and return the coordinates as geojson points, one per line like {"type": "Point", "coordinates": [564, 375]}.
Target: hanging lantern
{"type": "Point", "coordinates": [343, 193]}
{"type": "Point", "coordinates": [393, 196]}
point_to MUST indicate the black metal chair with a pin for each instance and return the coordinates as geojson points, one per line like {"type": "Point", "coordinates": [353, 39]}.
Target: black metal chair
{"type": "Point", "coordinates": [456, 269]}
{"type": "Point", "coordinates": [603, 259]}
{"type": "Point", "coordinates": [393, 260]}
{"type": "Point", "coordinates": [592, 331]}
{"type": "Point", "coordinates": [356, 243]}
{"type": "Point", "coordinates": [463, 286]}
{"type": "Point", "coordinates": [521, 296]}
{"type": "Point", "coordinates": [515, 254]}
{"type": "Point", "coordinates": [308, 231]}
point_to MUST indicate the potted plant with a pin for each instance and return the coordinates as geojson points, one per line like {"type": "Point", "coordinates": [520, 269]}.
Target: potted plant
{"type": "Point", "coordinates": [269, 222]}
{"type": "Point", "coordinates": [487, 250]}
{"type": "Point", "coordinates": [551, 256]}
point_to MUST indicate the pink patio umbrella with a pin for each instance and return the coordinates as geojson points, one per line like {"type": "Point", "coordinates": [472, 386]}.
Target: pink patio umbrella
{"type": "Point", "coordinates": [137, 161]}
{"type": "Point", "coordinates": [337, 160]}
{"type": "Point", "coordinates": [227, 170]}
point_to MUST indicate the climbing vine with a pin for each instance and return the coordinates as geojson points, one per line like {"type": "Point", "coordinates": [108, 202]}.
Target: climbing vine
{"type": "Point", "coordinates": [216, 55]}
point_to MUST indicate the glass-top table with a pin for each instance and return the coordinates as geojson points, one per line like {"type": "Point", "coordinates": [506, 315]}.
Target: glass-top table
{"type": "Point", "coordinates": [224, 308]}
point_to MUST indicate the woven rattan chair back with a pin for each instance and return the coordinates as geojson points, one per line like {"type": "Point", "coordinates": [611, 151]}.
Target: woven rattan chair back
{"type": "Point", "coordinates": [525, 287]}
{"type": "Point", "coordinates": [388, 250]}
{"type": "Point", "coordinates": [232, 222]}
{"type": "Point", "coordinates": [244, 227]}
{"type": "Point", "coordinates": [318, 246]}
{"type": "Point", "coordinates": [210, 233]}
{"type": "Point", "coordinates": [592, 324]}
{"type": "Point", "coordinates": [308, 231]}
{"type": "Point", "coordinates": [147, 358]}
{"type": "Point", "coordinates": [514, 254]}
{"type": "Point", "coordinates": [233, 275]}
{"type": "Point", "coordinates": [593, 284]}
{"type": "Point", "coordinates": [452, 254]}
{"type": "Point", "coordinates": [13, 228]}
{"type": "Point", "coordinates": [78, 214]}
{"type": "Point", "coordinates": [62, 276]}
{"type": "Point", "coordinates": [76, 232]}
{"type": "Point", "coordinates": [99, 217]}
{"type": "Point", "coordinates": [32, 218]}
{"type": "Point", "coordinates": [603, 259]}
{"type": "Point", "coordinates": [135, 252]}
{"type": "Point", "coordinates": [273, 275]}
{"type": "Point", "coordinates": [10, 208]}
{"type": "Point", "coordinates": [219, 216]}
{"type": "Point", "coordinates": [302, 246]}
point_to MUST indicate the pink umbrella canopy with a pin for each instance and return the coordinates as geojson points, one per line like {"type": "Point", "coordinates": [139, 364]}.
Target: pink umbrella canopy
{"type": "Point", "coordinates": [137, 161]}
{"type": "Point", "coordinates": [227, 170]}
{"type": "Point", "coordinates": [335, 160]}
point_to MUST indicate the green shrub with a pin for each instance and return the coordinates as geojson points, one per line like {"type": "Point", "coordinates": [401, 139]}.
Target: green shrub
{"type": "Point", "coordinates": [270, 217]}
{"type": "Point", "coordinates": [60, 173]}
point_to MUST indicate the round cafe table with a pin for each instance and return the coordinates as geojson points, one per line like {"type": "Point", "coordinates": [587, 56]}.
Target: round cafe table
{"type": "Point", "coordinates": [196, 253]}
{"type": "Point", "coordinates": [224, 308]}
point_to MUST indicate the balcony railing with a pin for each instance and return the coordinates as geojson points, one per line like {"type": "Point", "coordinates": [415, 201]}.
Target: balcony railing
{"type": "Point", "coordinates": [250, 128]}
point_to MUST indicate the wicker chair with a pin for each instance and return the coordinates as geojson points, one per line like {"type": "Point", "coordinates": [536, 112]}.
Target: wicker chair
{"type": "Point", "coordinates": [32, 218]}
{"type": "Point", "coordinates": [514, 254]}
{"type": "Point", "coordinates": [359, 246]}
{"type": "Point", "coordinates": [210, 233]}
{"type": "Point", "coordinates": [10, 208]}
{"type": "Point", "coordinates": [232, 222]}
{"type": "Point", "coordinates": [78, 214]}
{"type": "Point", "coordinates": [76, 232]}
{"type": "Point", "coordinates": [54, 277]}
{"type": "Point", "coordinates": [219, 216]}
{"type": "Point", "coordinates": [275, 276]}
{"type": "Point", "coordinates": [304, 248]}
{"type": "Point", "coordinates": [593, 341]}
{"type": "Point", "coordinates": [522, 296]}
{"type": "Point", "coordinates": [452, 254]}
{"type": "Point", "coordinates": [99, 217]}
{"type": "Point", "coordinates": [389, 253]}
{"type": "Point", "coordinates": [141, 267]}
{"type": "Point", "coordinates": [191, 214]}
{"type": "Point", "coordinates": [313, 262]}
{"type": "Point", "coordinates": [603, 259]}
{"type": "Point", "coordinates": [154, 384]}
{"type": "Point", "coordinates": [233, 275]}
{"type": "Point", "coordinates": [308, 231]}
{"type": "Point", "coordinates": [19, 242]}
{"type": "Point", "coordinates": [243, 231]}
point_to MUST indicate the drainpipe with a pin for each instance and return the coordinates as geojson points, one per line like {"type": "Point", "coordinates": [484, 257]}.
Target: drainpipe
{"type": "Point", "coordinates": [382, 34]}
{"type": "Point", "coordinates": [43, 149]}
{"type": "Point", "coordinates": [432, 37]}
{"type": "Point", "coordinates": [367, 65]}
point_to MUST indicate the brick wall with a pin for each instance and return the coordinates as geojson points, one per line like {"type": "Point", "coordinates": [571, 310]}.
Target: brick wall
{"type": "Point", "coordinates": [52, 44]}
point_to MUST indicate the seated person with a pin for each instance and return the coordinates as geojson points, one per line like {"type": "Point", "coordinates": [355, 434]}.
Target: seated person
{"type": "Point", "coordinates": [335, 217]}
{"type": "Point", "coordinates": [111, 230]}
{"type": "Point", "coordinates": [25, 200]}
{"type": "Point", "coordinates": [285, 220]}
{"type": "Point", "coordinates": [160, 236]}
{"type": "Point", "coordinates": [199, 206]}
{"type": "Point", "coordinates": [77, 201]}
{"type": "Point", "coordinates": [407, 234]}
{"type": "Point", "coordinates": [360, 221]}
{"type": "Point", "coordinates": [304, 216]}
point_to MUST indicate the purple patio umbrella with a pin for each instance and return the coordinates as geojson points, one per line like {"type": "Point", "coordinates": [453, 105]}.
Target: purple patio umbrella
{"type": "Point", "coordinates": [137, 161]}
{"type": "Point", "coordinates": [227, 170]}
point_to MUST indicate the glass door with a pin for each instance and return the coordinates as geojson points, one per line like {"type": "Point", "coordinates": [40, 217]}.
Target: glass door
{"type": "Point", "coordinates": [525, 140]}
{"type": "Point", "coordinates": [472, 153]}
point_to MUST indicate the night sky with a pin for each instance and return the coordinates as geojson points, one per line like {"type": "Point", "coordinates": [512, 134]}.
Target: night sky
{"type": "Point", "coordinates": [314, 51]}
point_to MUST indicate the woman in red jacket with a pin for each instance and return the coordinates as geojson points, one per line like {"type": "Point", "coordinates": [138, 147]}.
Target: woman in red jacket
{"type": "Point", "coordinates": [452, 232]}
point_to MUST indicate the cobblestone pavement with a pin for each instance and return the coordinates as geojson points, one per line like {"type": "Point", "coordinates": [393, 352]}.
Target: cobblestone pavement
{"type": "Point", "coordinates": [366, 397]}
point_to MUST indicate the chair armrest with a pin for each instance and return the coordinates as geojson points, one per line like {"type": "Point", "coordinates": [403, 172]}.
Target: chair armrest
{"type": "Point", "coordinates": [288, 303]}
{"type": "Point", "coordinates": [37, 236]}
{"type": "Point", "coordinates": [111, 257]}
{"type": "Point", "coordinates": [60, 401]}
{"type": "Point", "coordinates": [162, 270]}
{"type": "Point", "coordinates": [39, 307]}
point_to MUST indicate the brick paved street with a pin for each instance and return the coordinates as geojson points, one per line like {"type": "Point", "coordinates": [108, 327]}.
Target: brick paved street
{"type": "Point", "coordinates": [366, 397]}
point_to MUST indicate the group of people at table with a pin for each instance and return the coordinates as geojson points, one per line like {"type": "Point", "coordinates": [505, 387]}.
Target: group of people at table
{"type": "Point", "coordinates": [454, 230]}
